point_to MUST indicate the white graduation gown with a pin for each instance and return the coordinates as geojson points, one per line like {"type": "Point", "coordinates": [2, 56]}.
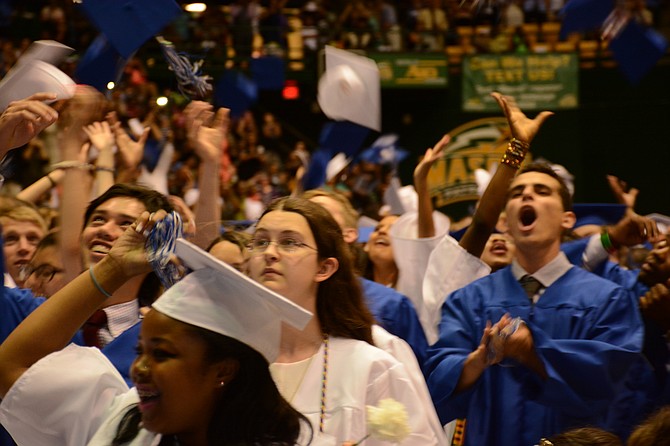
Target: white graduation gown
{"type": "Point", "coordinates": [359, 375]}
{"type": "Point", "coordinates": [71, 397]}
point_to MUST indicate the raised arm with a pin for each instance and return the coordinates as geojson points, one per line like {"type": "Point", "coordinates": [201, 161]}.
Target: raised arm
{"type": "Point", "coordinates": [54, 323]}
{"type": "Point", "coordinates": [207, 134]}
{"type": "Point", "coordinates": [492, 202]}
{"type": "Point", "coordinates": [426, 226]}
{"type": "Point", "coordinates": [101, 137]}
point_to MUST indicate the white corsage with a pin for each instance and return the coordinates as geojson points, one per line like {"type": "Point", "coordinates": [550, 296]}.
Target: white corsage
{"type": "Point", "coordinates": [388, 421]}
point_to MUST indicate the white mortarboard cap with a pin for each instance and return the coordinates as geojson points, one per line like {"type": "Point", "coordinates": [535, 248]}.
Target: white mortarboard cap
{"type": "Point", "coordinates": [35, 72]}
{"type": "Point", "coordinates": [350, 89]}
{"type": "Point", "coordinates": [335, 165]}
{"type": "Point", "coordinates": [217, 297]}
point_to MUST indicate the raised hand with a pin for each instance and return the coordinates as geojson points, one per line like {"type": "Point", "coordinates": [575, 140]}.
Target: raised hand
{"type": "Point", "coordinates": [23, 120]}
{"type": "Point", "coordinates": [622, 193]}
{"type": "Point", "coordinates": [432, 154]}
{"type": "Point", "coordinates": [130, 150]}
{"type": "Point", "coordinates": [100, 134]}
{"type": "Point", "coordinates": [206, 131]}
{"type": "Point", "coordinates": [128, 253]}
{"type": "Point", "coordinates": [522, 127]}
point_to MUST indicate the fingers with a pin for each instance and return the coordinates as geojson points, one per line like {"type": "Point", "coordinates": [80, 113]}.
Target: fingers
{"type": "Point", "coordinates": [502, 103]}
{"type": "Point", "coordinates": [147, 221]}
{"type": "Point", "coordinates": [222, 119]}
{"type": "Point", "coordinates": [543, 116]}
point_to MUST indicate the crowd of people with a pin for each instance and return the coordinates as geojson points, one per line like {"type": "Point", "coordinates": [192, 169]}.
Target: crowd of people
{"type": "Point", "coordinates": [505, 333]}
{"type": "Point", "coordinates": [168, 280]}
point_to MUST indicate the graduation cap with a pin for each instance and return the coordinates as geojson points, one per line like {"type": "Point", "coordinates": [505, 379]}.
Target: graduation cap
{"type": "Point", "coordinates": [268, 72]}
{"type": "Point", "coordinates": [127, 24]}
{"type": "Point", "coordinates": [350, 89]}
{"type": "Point", "coordinates": [584, 15]}
{"type": "Point", "coordinates": [384, 150]}
{"type": "Point", "coordinates": [100, 65]}
{"type": "Point", "coordinates": [217, 297]}
{"type": "Point", "coordinates": [34, 72]}
{"type": "Point", "coordinates": [336, 137]}
{"type": "Point", "coordinates": [599, 214]}
{"type": "Point", "coordinates": [343, 136]}
{"type": "Point", "coordinates": [637, 49]}
{"type": "Point", "coordinates": [236, 92]}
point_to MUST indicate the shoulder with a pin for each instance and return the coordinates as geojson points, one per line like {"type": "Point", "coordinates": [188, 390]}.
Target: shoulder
{"type": "Point", "coordinates": [358, 353]}
{"type": "Point", "coordinates": [377, 291]}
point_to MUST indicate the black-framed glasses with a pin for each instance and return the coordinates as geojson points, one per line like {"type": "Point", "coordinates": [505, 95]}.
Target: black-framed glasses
{"type": "Point", "coordinates": [43, 273]}
{"type": "Point", "coordinates": [286, 245]}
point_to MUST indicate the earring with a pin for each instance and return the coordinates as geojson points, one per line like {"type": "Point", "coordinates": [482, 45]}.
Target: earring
{"type": "Point", "coordinates": [222, 383]}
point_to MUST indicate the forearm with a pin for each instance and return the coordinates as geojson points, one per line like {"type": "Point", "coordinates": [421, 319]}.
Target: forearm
{"type": "Point", "coordinates": [104, 172]}
{"type": "Point", "coordinates": [33, 192]}
{"type": "Point", "coordinates": [208, 207]}
{"type": "Point", "coordinates": [490, 206]}
{"type": "Point", "coordinates": [426, 226]}
{"type": "Point", "coordinates": [473, 368]}
{"type": "Point", "coordinates": [51, 326]}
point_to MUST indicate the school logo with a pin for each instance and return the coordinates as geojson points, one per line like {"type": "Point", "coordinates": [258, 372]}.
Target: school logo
{"type": "Point", "coordinates": [475, 145]}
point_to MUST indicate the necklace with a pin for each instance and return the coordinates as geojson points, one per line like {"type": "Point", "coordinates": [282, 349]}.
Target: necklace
{"type": "Point", "coordinates": [324, 382]}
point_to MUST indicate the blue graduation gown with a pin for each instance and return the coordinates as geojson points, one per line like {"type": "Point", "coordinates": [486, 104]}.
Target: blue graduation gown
{"type": "Point", "coordinates": [586, 331]}
{"type": "Point", "coordinates": [396, 314]}
{"type": "Point", "coordinates": [122, 351]}
{"type": "Point", "coordinates": [15, 305]}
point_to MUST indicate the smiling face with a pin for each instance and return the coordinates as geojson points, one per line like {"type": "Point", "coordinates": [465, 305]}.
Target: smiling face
{"type": "Point", "coordinates": [21, 239]}
{"type": "Point", "coordinates": [106, 224]}
{"type": "Point", "coordinates": [177, 385]}
{"type": "Point", "coordinates": [379, 246]}
{"type": "Point", "coordinates": [535, 213]}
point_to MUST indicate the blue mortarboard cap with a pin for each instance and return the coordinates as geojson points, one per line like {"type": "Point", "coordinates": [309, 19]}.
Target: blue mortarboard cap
{"type": "Point", "coordinates": [598, 213]}
{"type": "Point", "coordinates": [584, 15]}
{"type": "Point", "coordinates": [100, 64]}
{"type": "Point", "coordinates": [315, 176]}
{"type": "Point", "coordinates": [343, 136]}
{"type": "Point", "coordinates": [236, 92]}
{"type": "Point", "coordinates": [637, 49]}
{"type": "Point", "coordinates": [268, 72]}
{"type": "Point", "coordinates": [383, 154]}
{"type": "Point", "coordinates": [127, 24]}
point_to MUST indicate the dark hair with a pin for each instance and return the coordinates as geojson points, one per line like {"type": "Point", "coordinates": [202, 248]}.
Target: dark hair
{"type": "Point", "coordinates": [250, 411]}
{"type": "Point", "coordinates": [339, 303]}
{"type": "Point", "coordinates": [563, 191]}
{"type": "Point", "coordinates": [152, 200]}
{"type": "Point", "coordinates": [655, 430]}
{"type": "Point", "coordinates": [241, 239]}
{"type": "Point", "coordinates": [51, 239]}
{"type": "Point", "coordinates": [585, 436]}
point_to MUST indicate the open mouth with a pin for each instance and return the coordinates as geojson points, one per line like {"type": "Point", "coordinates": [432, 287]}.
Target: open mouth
{"type": "Point", "coordinates": [527, 216]}
{"type": "Point", "coordinates": [499, 247]}
{"type": "Point", "coordinates": [100, 249]}
{"type": "Point", "coordinates": [148, 398]}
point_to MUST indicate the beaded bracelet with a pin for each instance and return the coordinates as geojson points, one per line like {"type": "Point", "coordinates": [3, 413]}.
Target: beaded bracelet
{"type": "Point", "coordinates": [515, 153]}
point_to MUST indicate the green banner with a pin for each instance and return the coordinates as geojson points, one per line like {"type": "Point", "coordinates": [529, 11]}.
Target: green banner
{"type": "Point", "coordinates": [411, 70]}
{"type": "Point", "coordinates": [536, 81]}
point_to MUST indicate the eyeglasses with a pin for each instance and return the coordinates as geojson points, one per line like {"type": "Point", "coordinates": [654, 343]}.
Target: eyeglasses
{"type": "Point", "coordinates": [285, 245]}
{"type": "Point", "coordinates": [43, 273]}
